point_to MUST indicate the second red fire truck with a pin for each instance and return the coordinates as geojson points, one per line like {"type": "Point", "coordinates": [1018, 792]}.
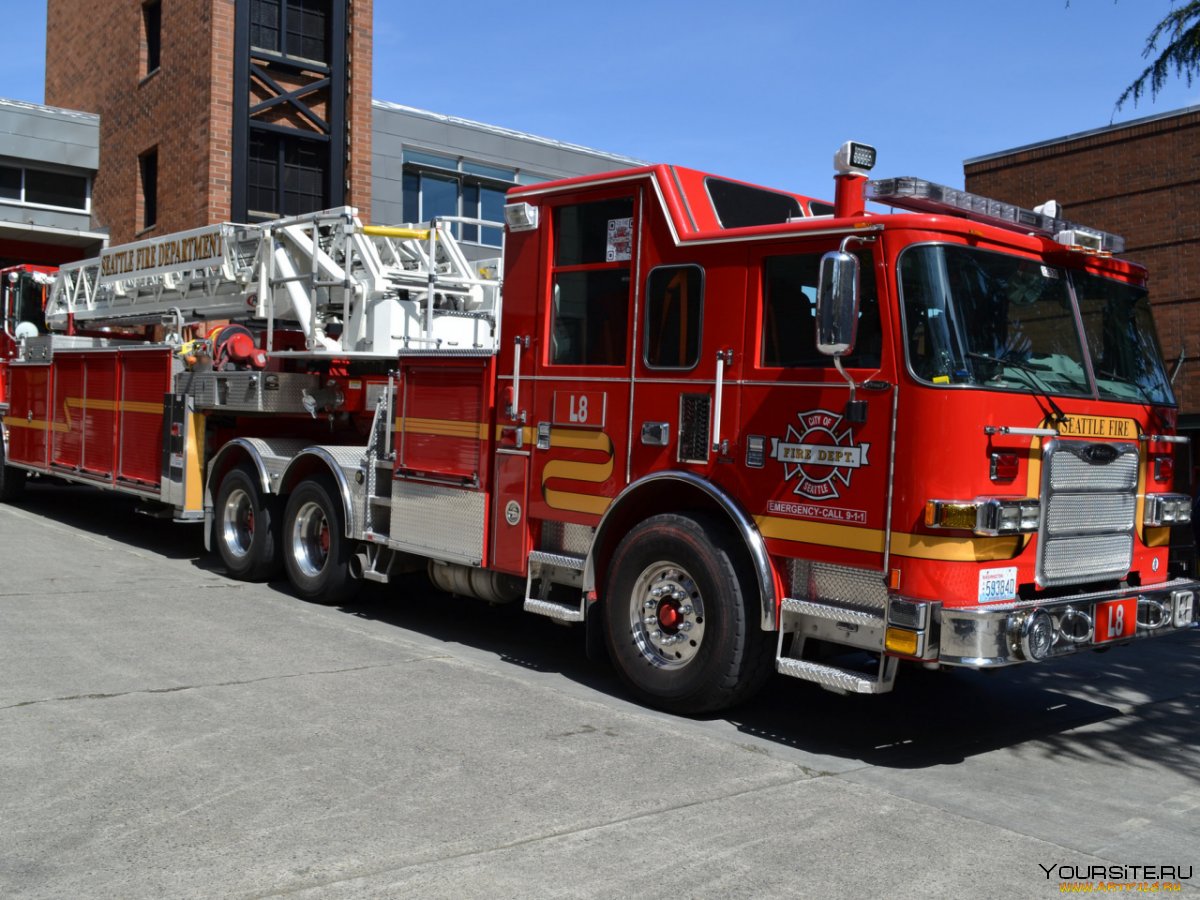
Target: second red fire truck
{"type": "Point", "coordinates": [732, 430]}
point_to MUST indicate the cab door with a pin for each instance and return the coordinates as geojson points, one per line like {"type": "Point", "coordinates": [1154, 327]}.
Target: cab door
{"type": "Point", "coordinates": [582, 361]}
{"type": "Point", "coordinates": [686, 408]}
{"type": "Point", "coordinates": [817, 470]}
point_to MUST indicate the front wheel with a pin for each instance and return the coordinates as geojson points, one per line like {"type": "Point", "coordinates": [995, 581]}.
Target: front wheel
{"type": "Point", "coordinates": [681, 616]}
{"type": "Point", "coordinates": [316, 553]}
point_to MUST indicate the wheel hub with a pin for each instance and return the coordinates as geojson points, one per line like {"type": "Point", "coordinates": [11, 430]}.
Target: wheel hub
{"type": "Point", "coordinates": [237, 522]}
{"type": "Point", "coordinates": [310, 539]}
{"type": "Point", "coordinates": [667, 615]}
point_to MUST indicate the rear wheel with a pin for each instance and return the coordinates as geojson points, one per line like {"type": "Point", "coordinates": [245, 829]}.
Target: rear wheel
{"type": "Point", "coordinates": [245, 530]}
{"type": "Point", "coordinates": [316, 552]}
{"type": "Point", "coordinates": [681, 617]}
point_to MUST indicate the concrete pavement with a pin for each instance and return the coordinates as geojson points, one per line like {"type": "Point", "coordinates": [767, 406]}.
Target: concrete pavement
{"type": "Point", "coordinates": [165, 731]}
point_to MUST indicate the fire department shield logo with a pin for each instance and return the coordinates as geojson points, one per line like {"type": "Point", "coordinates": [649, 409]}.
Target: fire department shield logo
{"type": "Point", "coordinates": [819, 453]}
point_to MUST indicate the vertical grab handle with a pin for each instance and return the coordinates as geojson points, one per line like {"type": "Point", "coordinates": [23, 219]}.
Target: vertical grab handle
{"type": "Point", "coordinates": [514, 410]}
{"type": "Point", "coordinates": [724, 358]}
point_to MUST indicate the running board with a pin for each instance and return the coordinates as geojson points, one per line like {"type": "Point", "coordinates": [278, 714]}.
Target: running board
{"type": "Point", "coordinates": [835, 678]}
{"type": "Point", "coordinates": [559, 586]}
{"type": "Point", "coordinates": [837, 626]}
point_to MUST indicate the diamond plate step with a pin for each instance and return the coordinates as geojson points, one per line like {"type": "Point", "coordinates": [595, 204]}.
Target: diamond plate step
{"type": "Point", "coordinates": [833, 677]}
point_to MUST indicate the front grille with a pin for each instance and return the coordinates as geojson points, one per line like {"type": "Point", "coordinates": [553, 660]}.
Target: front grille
{"type": "Point", "coordinates": [1070, 468]}
{"type": "Point", "coordinates": [1089, 497]}
{"type": "Point", "coordinates": [1089, 513]}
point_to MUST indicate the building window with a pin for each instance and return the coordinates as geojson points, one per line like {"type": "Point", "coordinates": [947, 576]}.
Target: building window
{"type": "Point", "coordinates": [148, 178]}
{"type": "Point", "coordinates": [297, 28]}
{"type": "Point", "coordinates": [11, 183]}
{"type": "Point", "coordinates": [152, 33]}
{"type": "Point", "coordinates": [437, 185]}
{"type": "Point", "coordinates": [285, 175]}
{"type": "Point", "coordinates": [38, 187]}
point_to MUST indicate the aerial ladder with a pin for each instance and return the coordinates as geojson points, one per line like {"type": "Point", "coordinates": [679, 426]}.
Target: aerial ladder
{"type": "Point", "coordinates": [353, 290]}
{"type": "Point", "coordinates": [301, 319]}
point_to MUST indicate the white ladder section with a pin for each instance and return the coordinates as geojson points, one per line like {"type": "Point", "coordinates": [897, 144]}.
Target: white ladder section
{"type": "Point", "coordinates": [351, 289]}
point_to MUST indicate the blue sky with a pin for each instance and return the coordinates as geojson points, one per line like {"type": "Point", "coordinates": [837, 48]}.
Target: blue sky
{"type": "Point", "coordinates": [763, 91]}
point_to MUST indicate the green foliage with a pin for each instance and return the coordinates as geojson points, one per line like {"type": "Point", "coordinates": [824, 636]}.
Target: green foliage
{"type": "Point", "coordinates": [1180, 56]}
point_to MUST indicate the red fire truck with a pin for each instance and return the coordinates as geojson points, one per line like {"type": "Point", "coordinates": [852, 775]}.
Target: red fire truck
{"type": "Point", "coordinates": [731, 430]}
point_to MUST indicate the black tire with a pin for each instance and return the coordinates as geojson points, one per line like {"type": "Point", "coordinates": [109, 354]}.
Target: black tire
{"type": "Point", "coordinates": [12, 480]}
{"type": "Point", "coordinates": [682, 617]}
{"type": "Point", "coordinates": [245, 526]}
{"type": "Point", "coordinates": [316, 553]}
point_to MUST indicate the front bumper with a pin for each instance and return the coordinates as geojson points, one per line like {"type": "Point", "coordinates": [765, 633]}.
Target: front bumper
{"type": "Point", "coordinates": [1003, 634]}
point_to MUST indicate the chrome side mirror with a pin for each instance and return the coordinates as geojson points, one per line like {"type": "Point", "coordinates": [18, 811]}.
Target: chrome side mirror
{"type": "Point", "coordinates": [837, 303]}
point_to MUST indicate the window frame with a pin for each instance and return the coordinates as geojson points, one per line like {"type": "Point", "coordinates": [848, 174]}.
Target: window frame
{"type": "Point", "coordinates": [22, 192]}
{"type": "Point", "coordinates": [148, 188]}
{"type": "Point", "coordinates": [647, 300]}
{"type": "Point", "coordinates": [820, 362]}
{"type": "Point", "coordinates": [469, 173]}
{"type": "Point", "coordinates": [628, 266]}
{"type": "Point", "coordinates": [748, 190]}
{"type": "Point", "coordinates": [281, 141]}
{"type": "Point", "coordinates": [152, 37]}
{"type": "Point", "coordinates": [287, 8]}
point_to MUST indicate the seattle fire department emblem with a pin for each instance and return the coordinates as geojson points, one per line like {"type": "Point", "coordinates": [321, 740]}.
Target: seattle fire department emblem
{"type": "Point", "coordinates": [820, 453]}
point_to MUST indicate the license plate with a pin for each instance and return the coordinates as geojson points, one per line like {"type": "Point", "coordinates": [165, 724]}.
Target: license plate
{"type": "Point", "coordinates": [996, 585]}
{"type": "Point", "coordinates": [1116, 619]}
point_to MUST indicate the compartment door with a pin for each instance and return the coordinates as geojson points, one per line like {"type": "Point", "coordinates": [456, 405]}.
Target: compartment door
{"type": "Point", "coordinates": [29, 410]}
{"type": "Point", "coordinates": [510, 511]}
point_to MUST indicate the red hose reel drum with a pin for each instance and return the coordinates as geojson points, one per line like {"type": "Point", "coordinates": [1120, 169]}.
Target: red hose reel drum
{"type": "Point", "coordinates": [233, 347]}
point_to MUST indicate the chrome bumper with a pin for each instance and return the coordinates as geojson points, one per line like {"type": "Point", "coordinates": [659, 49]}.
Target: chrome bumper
{"type": "Point", "coordinates": [990, 636]}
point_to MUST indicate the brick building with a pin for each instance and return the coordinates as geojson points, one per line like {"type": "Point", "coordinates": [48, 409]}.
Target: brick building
{"type": "Point", "coordinates": [1137, 179]}
{"type": "Point", "coordinates": [217, 110]}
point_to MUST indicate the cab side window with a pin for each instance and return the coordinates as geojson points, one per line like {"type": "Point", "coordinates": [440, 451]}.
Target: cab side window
{"type": "Point", "coordinates": [674, 296]}
{"type": "Point", "coordinates": [789, 337]}
{"type": "Point", "coordinates": [593, 253]}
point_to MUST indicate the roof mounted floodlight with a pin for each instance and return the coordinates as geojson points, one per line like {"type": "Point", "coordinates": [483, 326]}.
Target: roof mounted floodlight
{"type": "Point", "coordinates": [854, 158]}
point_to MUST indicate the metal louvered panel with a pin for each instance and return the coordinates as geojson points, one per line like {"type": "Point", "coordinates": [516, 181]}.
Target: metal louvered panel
{"type": "Point", "coordinates": [1091, 558]}
{"type": "Point", "coordinates": [1071, 470]}
{"type": "Point", "coordinates": [1089, 513]}
{"type": "Point", "coordinates": [1089, 502]}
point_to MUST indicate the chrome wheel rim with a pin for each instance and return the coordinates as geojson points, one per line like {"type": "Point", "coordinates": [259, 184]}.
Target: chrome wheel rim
{"type": "Point", "coordinates": [237, 522]}
{"type": "Point", "coordinates": [310, 539]}
{"type": "Point", "coordinates": [666, 613]}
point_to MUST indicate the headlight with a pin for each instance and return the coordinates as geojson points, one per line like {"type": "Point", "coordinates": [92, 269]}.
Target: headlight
{"type": "Point", "coordinates": [986, 516]}
{"type": "Point", "coordinates": [1167, 509]}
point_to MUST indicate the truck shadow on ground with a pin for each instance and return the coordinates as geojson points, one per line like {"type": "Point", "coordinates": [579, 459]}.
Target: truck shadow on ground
{"type": "Point", "coordinates": [118, 517]}
{"type": "Point", "coordinates": [1136, 704]}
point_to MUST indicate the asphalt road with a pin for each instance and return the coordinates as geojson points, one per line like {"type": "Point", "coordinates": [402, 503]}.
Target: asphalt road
{"type": "Point", "coordinates": [167, 732]}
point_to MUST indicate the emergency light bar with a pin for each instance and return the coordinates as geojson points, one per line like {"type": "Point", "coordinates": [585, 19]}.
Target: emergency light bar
{"type": "Point", "coordinates": [919, 195]}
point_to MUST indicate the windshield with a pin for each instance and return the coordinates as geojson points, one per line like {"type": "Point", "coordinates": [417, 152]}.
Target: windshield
{"type": "Point", "coordinates": [1121, 340]}
{"type": "Point", "coordinates": [987, 319]}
